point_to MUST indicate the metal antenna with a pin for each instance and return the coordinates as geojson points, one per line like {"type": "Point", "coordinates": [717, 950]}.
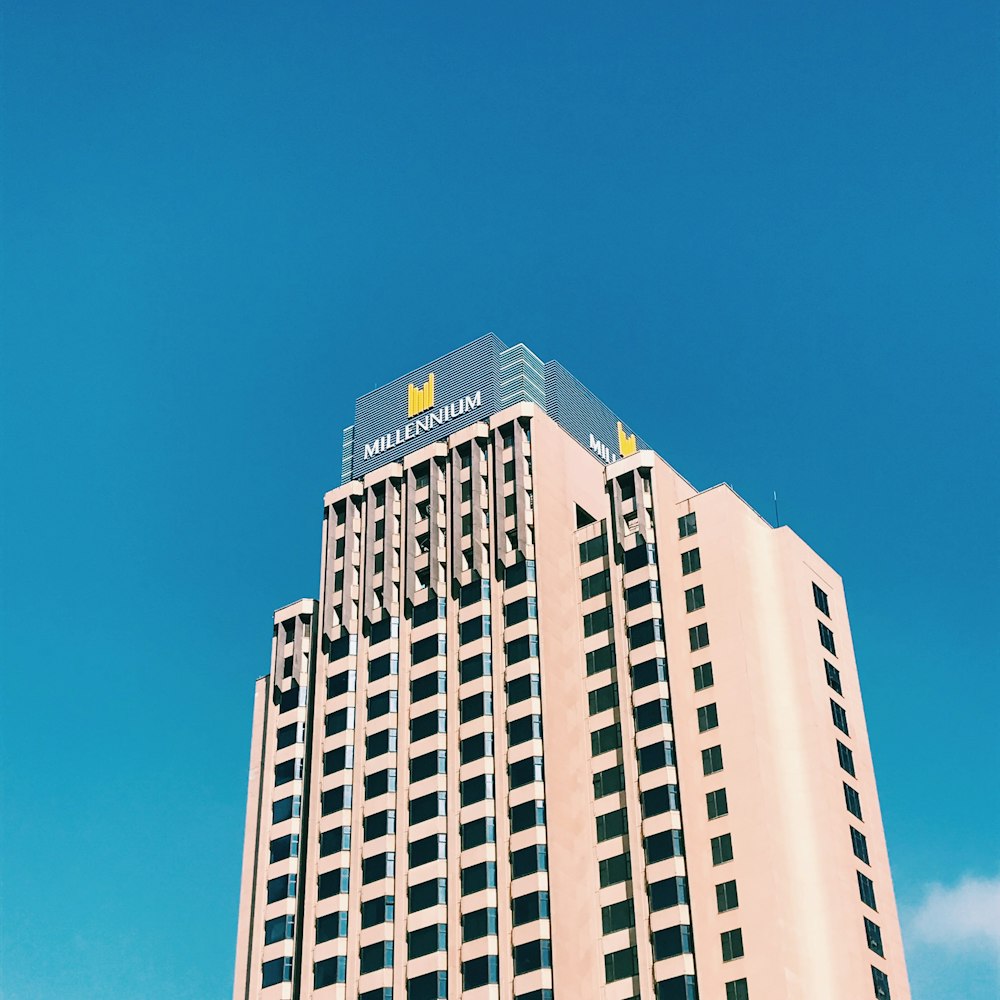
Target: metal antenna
{"type": "Point", "coordinates": [776, 521]}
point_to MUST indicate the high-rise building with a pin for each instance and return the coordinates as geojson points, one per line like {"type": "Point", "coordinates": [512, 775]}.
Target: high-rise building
{"type": "Point", "coordinates": [559, 726]}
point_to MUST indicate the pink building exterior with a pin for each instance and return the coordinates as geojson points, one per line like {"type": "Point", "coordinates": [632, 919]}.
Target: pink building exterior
{"type": "Point", "coordinates": [561, 727]}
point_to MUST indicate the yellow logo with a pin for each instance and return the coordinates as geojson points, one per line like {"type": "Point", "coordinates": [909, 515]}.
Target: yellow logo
{"type": "Point", "coordinates": [626, 442]}
{"type": "Point", "coordinates": [421, 399]}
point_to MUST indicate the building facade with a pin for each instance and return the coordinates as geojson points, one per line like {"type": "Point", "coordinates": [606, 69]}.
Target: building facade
{"type": "Point", "coordinates": [558, 727]}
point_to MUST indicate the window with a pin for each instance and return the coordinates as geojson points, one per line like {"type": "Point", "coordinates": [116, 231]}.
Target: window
{"type": "Point", "coordinates": [672, 941]}
{"type": "Point", "coordinates": [822, 601]}
{"type": "Point", "coordinates": [330, 971]}
{"type": "Point", "coordinates": [612, 824]}
{"type": "Point", "coordinates": [477, 789]}
{"type": "Point", "coordinates": [664, 845]}
{"type": "Point", "coordinates": [520, 573]}
{"type": "Point", "coordinates": [687, 525]}
{"type": "Point", "coordinates": [846, 758]}
{"type": "Point", "coordinates": [642, 594]}
{"type": "Point", "coordinates": [279, 929]}
{"type": "Point", "coordinates": [645, 633]}
{"type": "Point", "coordinates": [480, 971]}
{"type": "Point", "coordinates": [425, 807]}
{"type": "Point", "coordinates": [667, 893]}
{"type": "Point", "coordinates": [427, 894]}
{"type": "Point", "coordinates": [335, 840]}
{"type": "Point", "coordinates": [651, 672]}
{"type": "Point", "coordinates": [342, 683]}
{"type": "Point", "coordinates": [695, 598]}
{"type": "Point", "coordinates": [474, 667]}
{"type": "Point", "coordinates": [608, 738]}
{"type": "Point", "coordinates": [383, 666]}
{"type": "Point", "coordinates": [428, 849]}
{"type": "Point", "coordinates": [690, 561]}
{"type": "Point", "coordinates": [381, 910]}
{"type": "Point", "coordinates": [382, 704]}
{"type": "Point", "coordinates": [478, 832]}
{"type": "Point", "coordinates": [476, 706]}
{"type": "Point", "coordinates": [286, 808]}
{"type": "Point", "coordinates": [826, 638]}
{"type": "Point", "coordinates": [520, 649]}
{"type": "Point", "coordinates": [428, 764]}
{"type": "Point", "coordinates": [722, 849]}
{"type": "Point", "coordinates": [698, 636]}
{"type": "Point", "coordinates": [531, 956]}
{"type": "Point", "coordinates": [597, 621]}
{"type": "Point", "coordinates": [737, 990]}
{"type": "Point", "coordinates": [426, 649]}
{"type": "Point", "coordinates": [331, 926]}
{"type": "Point", "coordinates": [476, 747]}
{"type": "Point", "coordinates": [603, 698]}
{"type": "Point", "coordinates": [726, 896]}
{"type": "Point", "coordinates": [833, 676]}
{"type": "Point", "coordinates": [379, 743]}
{"type": "Point", "coordinates": [652, 713]}
{"type": "Point", "coordinates": [523, 772]}
{"type": "Point", "coordinates": [477, 877]}
{"type": "Point", "coordinates": [378, 867]}
{"type": "Point", "coordinates": [288, 770]}
{"type": "Point", "coordinates": [529, 860]}
{"type": "Point", "coordinates": [708, 717]}
{"type": "Point", "coordinates": [711, 760]}
{"type": "Point", "coordinates": [339, 759]}
{"type": "Point", "coordinates": [860, 845]}
{"type": "Point", "coordinates": [430, 986]}
{"type": "Point", "coordinates": [508, 471]}
{"type": "Point", "coordinates": [379, 993]}
{"type": "Point", "coordinates": [703, 677]}
{"type": "Point", "coordinates": [428, 725]}
{"type": "Point", "coordinates": [852, 801]}
{"type": "Point", "coordinates": [279, 970]}
{"type": "Point", "coordinates": [600, 659]}
{"type": "Point", "coordinates": [718, 804]}
{"type": "Point", "coordinates": [479, 924]}
{"type": "Point", "coordinates": [839, 717]}
{"type": "Point", "coordinates": [474, 628]}
{"type": "Point", "coordinates": [593, 586]}
{"type": "Point", "coordinates": [428, 686]}
{"type": "Point", "coordinates": [657, 801]}
{"type": "Point", "coordinates": [526, 815]}
{"type": "Point", "coordinates": [333, 883]}
{"type": "Point", "coordinates": [285, 847]}
{"type": "Point", "coordinates": [874, 934]}
{"type": "Point", "coordinates": [615, 870]}
{"type": "Point", "coordinates": [523, 688]}
{"type": "Point", "coordinates": [473, 593]}
{"type": "Point", "coordinates": [620, 965]}
{"type": "Point", "coordinates": [641, 555]}
{"type": "Point", "coordinates": [618, 916]}
{"type": "Point", "coordinates": [529, 727]}
{"type": "Point", "coordinates": [594, 548]}
{"type": "Point", "coordinates": [881, 983]}
{"type": "Point", "coordinates": [289, 735]}
{"type": "Point", "coordinates": [387, 628]}
{"type": "Point", "coordinates": [609, 781]}
{"type": "Point", "coordinates": [678, 988]}
{"type": "Point", "coordinates": [282, 887]}
{"type": "Point", "coordinates": [376, 956]}
{"type": "Point", "coordinates": [380, 782]}
{"type": "Point", "coordinates": [866, 888]}
{"type": "Point", "coordinates": [429, 611]}
{"type": "Point", "coordinates": [534, 906]}
{"type": "Point", "coordinates": [520, 611]}
{"type": "Point", "coordinates": [655, 756]}
{"type": "Point", "coordinates": [294, 697]}
{"type": "Point", "coordinates": [732, 944]}
{"type": "Point", "coordinates": [427, 940]}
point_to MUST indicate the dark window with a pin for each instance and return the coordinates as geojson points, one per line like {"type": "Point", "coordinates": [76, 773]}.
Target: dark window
{"type": "Point", "coordinates": [428, 686]}
{"type": "Point", "coordinates": [711, 760]}
{"type": "Point", "coordinates": [480, 971]}
{"type": "Point", "coordinates": [520, 649]}
{"type": "Point", "coordinates": [663, 845]}
{"type": "Point", "coordinates": [655, 756]}
{"type": "Point", "coordinates": [736, 989]}
{"type": "Point", "coordinates": [615, 870]}
{"type": "Point", "coordinates": [285, 847]}
{"type": "Point", "coordinates": [860, 845]}
{"type": "Point", "coordinates": [722, 849]}
{"type": "Point", "coordinates": [380, 782]}
{"type": "Point", "coordinates": [708, 717]}
{"type": "Point", "coordinates": [428, 764]}
{"type": "Point", "coordinates": [476, 789]}
{"type": "Point", "coordinates": [331, 926]}
{"type": "Point", "coordinates": [474, 667]}
{"type": "Point", "coordinates": [428, 849]}
{"type": "Point", "coordinates": [826, 638]}
{"type": "Point", "coordinates": [600, 659]}
{"type": "Point", "coordinates": [427, 940]}
{"type": "Point", "coordinates": [594, 548]}
{"type": "Point", "coordinates": [642, 594]}
{"type": "Point", "coordinates": [603, 698]}
{"type": "Point", "coordinates": [881, 983]}
{"type": "Point", "coordinates": [477, 832]}
{"type": "Point", "coordinates": [279, 929]}
{"type": "Point", "coordinates": [282, 887]}
{"type": "Point", "coordinates": [529, 727]}
{"type": "Point", "coordinates": [376, 956]}
{"type": "Point", "coordinates": [621, 964]}
{"type": "Point", "coordinates": [286, 808]}
{"type": "Point", "coordinates": [476, 747]}
{"type": "Point", "coordinates": [677, 988]}
{"type": "Point", "coordinates": [846, 758]}
{"type": "Point", "coordinates": [378, 867]}
{"type": "Point", "coordinates": [288, 735]}
{"type": "Point", "coordinates": [429, 806]}
{"type": "Point", "coordinates": [338, 759]}
{"type": "Point", "coordinates": [718, 804]}
{"type": "Point", "coordinates": [294, 697]}
{"type": "Point", "coordinates": [644, 633]}
{"type": "Point", "coordinates": [618, 916]}
{"type": "Point", "coordinates": [335, 799]}
{"type": "Point", "coordinates": [520, 611]}
{"type": "Point", "coordinates": [430, 986]}
{"type": "Point", "coordinates": [379, 743]}
{"type": "Point", "coordinates": [335, 840]}
{"type": "Point", "coordinates": [278, 970]}
{"type": "Point", "coordinates": [852, 800]}
{"type": "Point", "coordinates": [476, 706]}
{"type": "Point", "coordinates": [477, 877]}
{"type": "Point", "coordinates": [526, 815]}
{"type": "Point", "coordinates": [385, 628]}
{"type": "Point", "coordinates": [833, 676]}
{"type": "Point", "coordinates": [866, 887]}
{"type": "Point", "coordinates": [822, 601]}
{"type": "Point", "coordinates": [529, 860]}
{"type": "Point", "coordinates": [426, 649]}
{"type": "Point", "coordinates": [609, 781]}
{"type": "Point", "coordinates": [508, 471]}
{"type": "Point", "coordinates": [698, 636]}
{"type": "Point", "coordinates": [687, 525]}
{"type": "Point", "coordinates": [732, 944]}
{"type": "Point", "coordinates": [531, 956]}
{"type": "Point", "coordinates": [690, 561]}
{"type": "Point", "coordinates": [672, 941]}
{"type": "Point", "coordinates": [694, 599]}
{"type": "Point", "coordinates": [651, 672]}
{"type": "Point", "coordinates": [592, 586]}
{"type": "Point", "coordinates": [427, 725]}
{"type": "Point", "coordinates": [473, 593]}
{"type": "Point", "coordinates": [288, 770]}
{"type": "Point", "coordinates": [382, 704]}
{"type": "Point", "coordinates": [383, 666]}
{"type": "Point", "coordinates": [342, 683]}
{"type": "Point", "coordinates": [597, 621]}
{"type": "Point", "coordinates": [378, 911]}
{"type": "Point", "coordinates": [612, 824]}
{"type": "Point", "coordinates": [333, 883]}
{"type": "Point", "coordinates": [479, 924]}
{"type": "Point", "coordinates": [651, 714]}
{"type": "Point", "coordinates": [667, 893]}
{"type": "Point", "coordinates": [534, 906]}
{"type": "Point", "coordinates": [427, 894]}
{"type": "Point", "coordinates": [726, 896]}
{"type": "Point", "coordinates": [703, 677]}
{"type": "Point", "coordinates": [839, 717]}
{"type": "Point", "coordinates": [657, 801]}
{"type": "Point", "coordinates": [641, 555]}
{"type": "Point", "coordinates": [608, 738]}
{"type": "Point", "coordinates": [522, 688]}
{"type": "Point", "coordinates": [520, 573]}
{"type": "Point", "coordinates": [474, 628]}
{"type": "Point", "coordinates": [874, 934]}
{"type": "Point", "coordinates": [523, 772]}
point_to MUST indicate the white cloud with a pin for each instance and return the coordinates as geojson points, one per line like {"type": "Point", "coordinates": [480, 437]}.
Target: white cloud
{"type": "Point", "coordinates": [965, 917]}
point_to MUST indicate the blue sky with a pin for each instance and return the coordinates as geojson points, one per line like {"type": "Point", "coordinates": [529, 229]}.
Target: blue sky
{"type": "Point", "coordinates": [767, 235]}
